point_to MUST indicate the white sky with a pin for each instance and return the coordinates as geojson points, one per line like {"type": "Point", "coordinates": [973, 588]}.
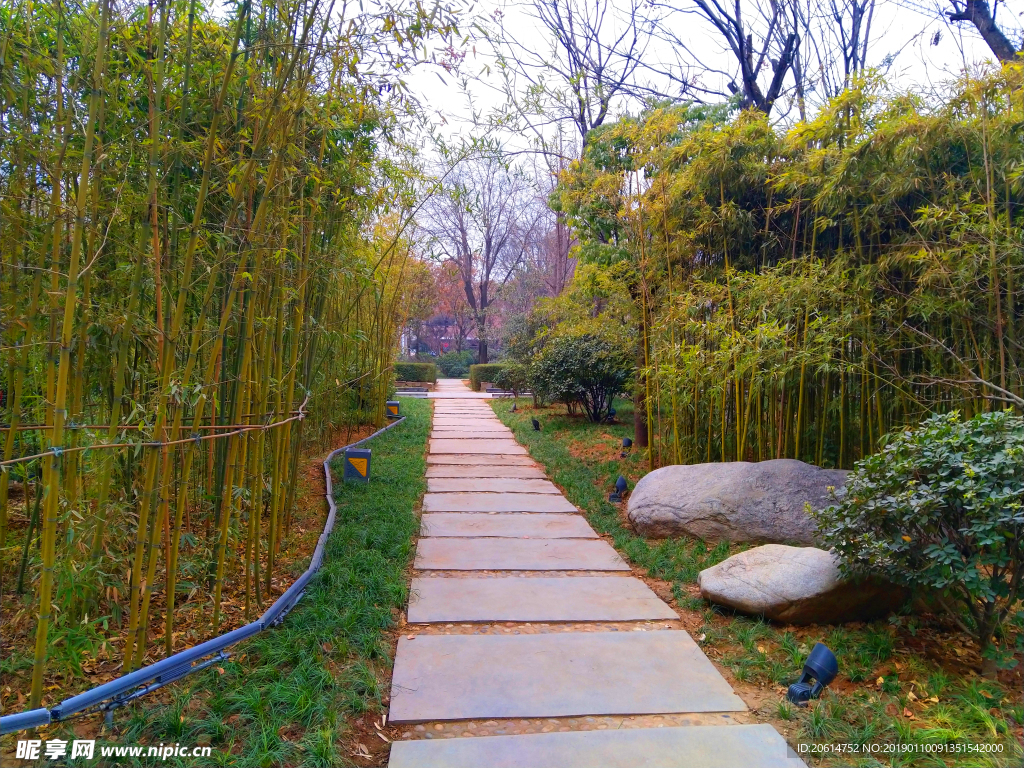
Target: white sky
{"type": "Point", "coordinates": [902, 29]}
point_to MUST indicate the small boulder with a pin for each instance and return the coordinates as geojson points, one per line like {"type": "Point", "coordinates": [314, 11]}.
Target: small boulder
{"type": "Point", "coordinates": [741, 501]}
{"type": "Point", "coordinates": [796, 585]}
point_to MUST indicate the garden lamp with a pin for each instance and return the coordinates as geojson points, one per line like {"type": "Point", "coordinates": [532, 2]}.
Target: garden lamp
{"type": "Point", "coordinates": [620, 488]}
{"type": "Point", "coordinates": [822, 667]}
{"type": "Point", "coordinates": [626, 445]}
{"type": "Point", "coordinates": [536, 425]}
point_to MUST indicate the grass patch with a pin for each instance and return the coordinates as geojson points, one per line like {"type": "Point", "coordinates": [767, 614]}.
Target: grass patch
{"type": "Point", "coordinates": [906, 684]}
{"type": "Point", "coordinates": [286, 696]}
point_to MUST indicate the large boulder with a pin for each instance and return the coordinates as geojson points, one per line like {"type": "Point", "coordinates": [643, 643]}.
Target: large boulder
{"type": "Point", "coordinates": [796, 585]}
{"type": "Point", "coordinates": [760, 502]}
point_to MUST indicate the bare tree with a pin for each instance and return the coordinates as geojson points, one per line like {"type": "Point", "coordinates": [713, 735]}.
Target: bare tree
{"type": "Point", "coordinates": [455, 320]}
{"type": "Point", "coordinates": [597, 55]}
{"type": "Point", "coordinates": [762, 39]}
{"type": "Point", "coordinates": [835, 35]}
{"type": "Point", "coordinates": [552, 255]}
{"type": "Point", "coordinates": [776, 51]}
{"type": "Point", "coordinates": [484, 224]}
{"type": "Point", "coordinates": [983, 17]}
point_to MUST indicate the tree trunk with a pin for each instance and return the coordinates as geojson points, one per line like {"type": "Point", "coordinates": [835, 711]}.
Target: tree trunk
{"type": "Point", "coordinates": [640, 419]}
{"type": "Point", "coordinates": [980, 15]}
{"type": "Point", "coordinates": [481, 335]}
{"type": "Point", "coordinates": [989, 669]}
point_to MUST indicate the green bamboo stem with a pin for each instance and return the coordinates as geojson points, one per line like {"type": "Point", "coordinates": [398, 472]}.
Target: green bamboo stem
{"type": "Point", "coordinates": [60, 403]}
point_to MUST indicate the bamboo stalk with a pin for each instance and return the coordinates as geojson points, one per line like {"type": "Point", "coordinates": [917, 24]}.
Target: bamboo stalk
{"type": "Point", "coordinates": [60, 403]}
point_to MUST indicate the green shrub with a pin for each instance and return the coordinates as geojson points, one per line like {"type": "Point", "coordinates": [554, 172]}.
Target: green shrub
{"type": "Point", "coordinates": [483, 372]}
{"type": "Point", "coordinates": [426, 372]}
{"type": "Point", "coordinates": [582, 370]}
{"type": "Point", "coordinates": [514, 377]}
{"type": "Point", "coordinates": [940, 508]}
{"type": "Point", "coordinates": [455, 365]}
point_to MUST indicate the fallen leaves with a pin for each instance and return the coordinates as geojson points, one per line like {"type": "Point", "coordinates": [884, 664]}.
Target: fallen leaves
{"type": "Point", "coordinates": [362, 751]}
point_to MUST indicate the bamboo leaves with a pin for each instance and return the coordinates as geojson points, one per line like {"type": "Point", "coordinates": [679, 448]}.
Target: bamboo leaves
{"type": "Point", "coordinates": [192, 262]}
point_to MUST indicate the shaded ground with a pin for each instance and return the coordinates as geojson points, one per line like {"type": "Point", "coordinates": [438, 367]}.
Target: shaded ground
{"type": "Point", "coordinates": [309, 692]}
{"type": "Point", "coordinates": [90, 652]}
{"type": "Point", "coordinates": [908, 684]}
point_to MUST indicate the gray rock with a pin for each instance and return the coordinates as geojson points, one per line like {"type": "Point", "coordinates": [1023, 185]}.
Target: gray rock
{"type": "Point", "coordinates": [795, 585]}
{"type": "Point", "coordinates": [740, 501]}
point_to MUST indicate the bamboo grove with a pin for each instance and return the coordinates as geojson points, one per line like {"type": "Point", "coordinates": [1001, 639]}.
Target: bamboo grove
{"type": "Point", "coordinates": [201, 256]}
{"type": "Point", "coordinates": [801, 293]}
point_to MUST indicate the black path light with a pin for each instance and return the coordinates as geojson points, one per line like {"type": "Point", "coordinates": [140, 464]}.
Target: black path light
{"type": "Point", "coordinates": [620, 488]}
{"type": "Point", "coordinates": [822, 667]}
{"type": "Point", "coordinates": [357, 465]}
{"type": "Point", "coordinates": [536, 425]}
{"type": "Point", "coordinates": [626, 445]}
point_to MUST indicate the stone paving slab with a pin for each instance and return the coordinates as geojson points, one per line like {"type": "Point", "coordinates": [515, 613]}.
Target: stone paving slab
{"type": "Point", "coordinates": [577, 598]}
{"type": "Point", "coordinates": [483, 410]}
{"type": "Point", "coordinates": [483, 413]}
{"type": "Point", "coordinates": [498, 554]}
{"type": "Point", "coordinates": [489, 485]}
{"type": "Point", "coordinates": [507, 447]}
{"type": "Point", "coordinates": [506, 525]}
{"type": "Point", "coordinates": [496, 502]}
{"type": "Point", "coordinates": [464, 419]}
{"type": "Point", "coordinates": [457, 677]}
{"type": "Point", "coordinates": [518, 460]}
{"type": "Point", "coordinates": [471, 433]}
{"type": "Point", "coordinates": [470, 423]}
{"type": "Point", "coordinates": [484, 470]}
{"type": "Point", "coordinates": [698, 746]}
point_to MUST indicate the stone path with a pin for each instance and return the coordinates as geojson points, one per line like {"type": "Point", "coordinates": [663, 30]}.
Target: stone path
{"type": "Point", "coordinates": [530, 644]}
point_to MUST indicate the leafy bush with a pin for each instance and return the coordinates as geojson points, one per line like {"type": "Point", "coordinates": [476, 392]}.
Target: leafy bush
{"type": "Point", "coordinates": [416, 372]}
{"type": "Point", "coordinates": [582, 370]}
{"type": "Point", "coordinates": [514, 377]}
{"type": "Point", "coordinates": [455, 365]}
{"type": "Point", "coordinates": [940, 508]}
{"type": "Point", "coordinates": [483, 372]}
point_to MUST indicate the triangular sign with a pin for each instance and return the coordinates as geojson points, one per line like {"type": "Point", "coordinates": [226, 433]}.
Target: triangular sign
{"type": "Point", "coordinates": [359, 464]}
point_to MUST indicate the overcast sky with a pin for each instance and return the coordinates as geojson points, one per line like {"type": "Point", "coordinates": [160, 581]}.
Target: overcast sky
{"type": "Point", "coordinates": [903, 33]}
